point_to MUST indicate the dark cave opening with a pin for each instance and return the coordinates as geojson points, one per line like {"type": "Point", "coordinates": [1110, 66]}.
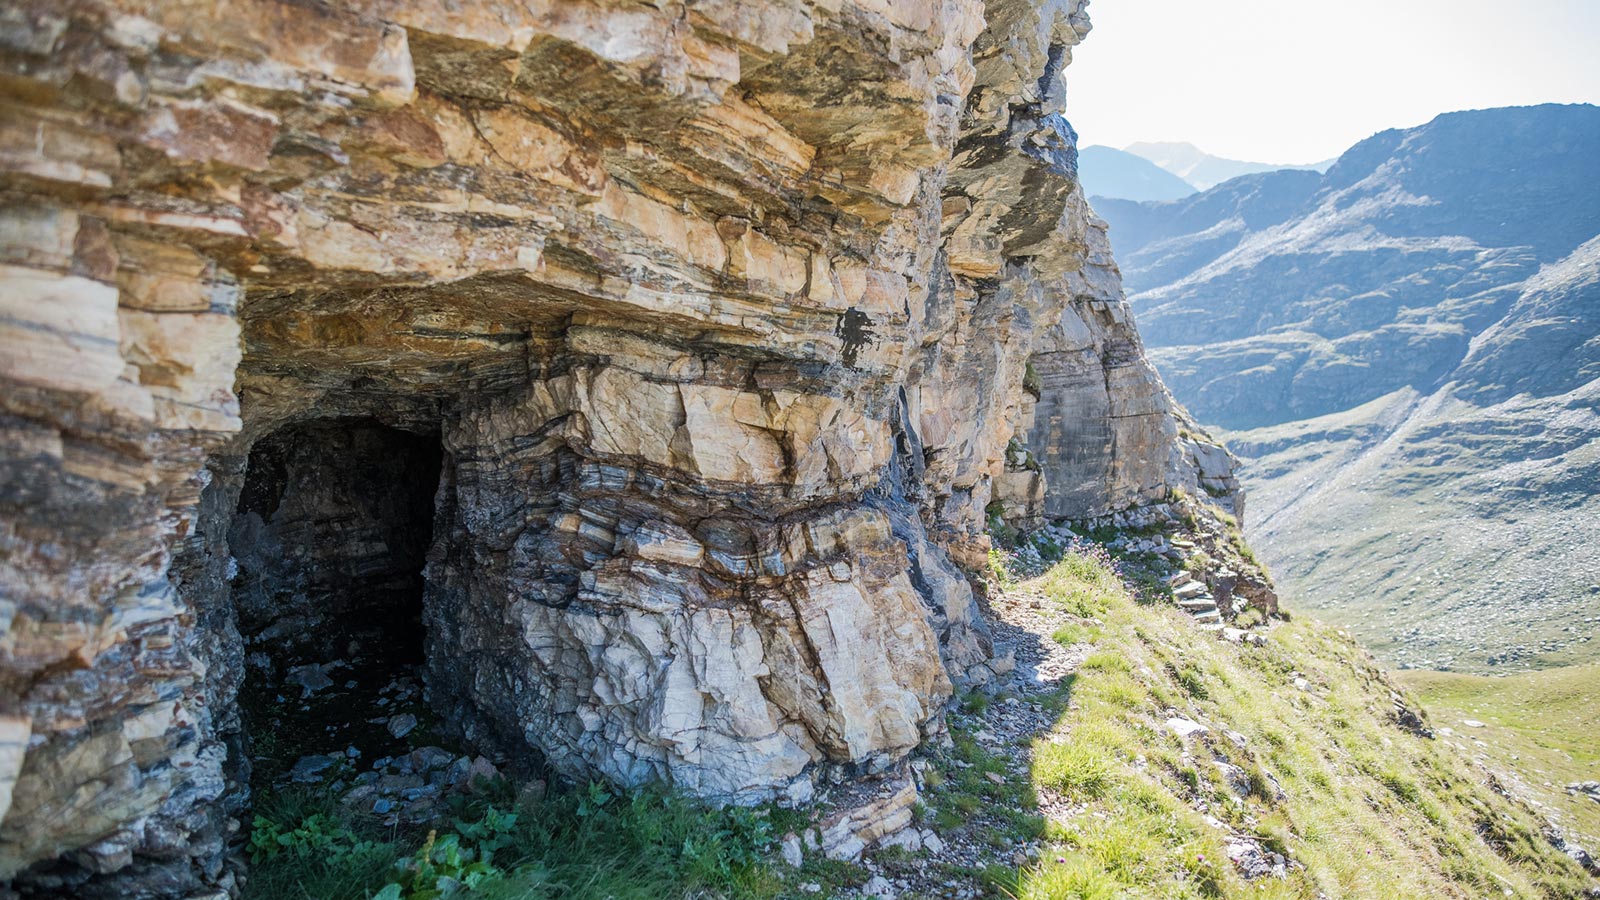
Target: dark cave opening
{"type": "Point", "coordinates": [330, 538]}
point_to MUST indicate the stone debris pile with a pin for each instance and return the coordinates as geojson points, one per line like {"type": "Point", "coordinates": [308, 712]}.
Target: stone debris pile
{"type": "Point", "coordinates": [409, 789]}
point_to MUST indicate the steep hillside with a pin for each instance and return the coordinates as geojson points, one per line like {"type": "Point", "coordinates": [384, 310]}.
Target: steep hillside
{"type": "Point", "coordinates": [1202, 169]}
{"type": "Point", "coordinates": [1161, 242]}
{"type": "Point", "coordinates": [1536, 730]}
{"type": "Point", "coordinates": [1404, 349]}
{"type": "Point", "coordinates": [1178, 765]}
{"type": "Point", "coordinates": [1108, 172]}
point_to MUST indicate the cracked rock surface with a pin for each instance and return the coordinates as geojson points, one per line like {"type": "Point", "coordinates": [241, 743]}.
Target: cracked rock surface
{"type": "Point", "coordinates": [726, 324]}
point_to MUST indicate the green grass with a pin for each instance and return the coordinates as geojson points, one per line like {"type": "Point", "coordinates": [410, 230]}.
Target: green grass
{"type": "Point", "coordinates": [973, 792]}
{"type": "Point", "coordinates": [1367, 809]}
{"type": "Point", "coordinates": [587, 843]}
{"type": "Point", "coordinates": [1542, 726]}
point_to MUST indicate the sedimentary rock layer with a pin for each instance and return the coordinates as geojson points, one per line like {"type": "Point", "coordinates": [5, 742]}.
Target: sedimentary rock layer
{"type": "Point", "coordinates": [720, 315]}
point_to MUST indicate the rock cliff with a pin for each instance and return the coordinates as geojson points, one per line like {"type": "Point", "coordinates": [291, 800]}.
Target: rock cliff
{"type": "Point", "coordinates": [668, 356]}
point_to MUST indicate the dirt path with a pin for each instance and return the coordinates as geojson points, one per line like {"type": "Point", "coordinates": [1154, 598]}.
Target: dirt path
{"type": "Point", "coordinates": [980, 812]}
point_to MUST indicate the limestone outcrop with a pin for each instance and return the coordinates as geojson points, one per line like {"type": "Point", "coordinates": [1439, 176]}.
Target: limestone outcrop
{"type": "Point", "coordinates": [713, 331]}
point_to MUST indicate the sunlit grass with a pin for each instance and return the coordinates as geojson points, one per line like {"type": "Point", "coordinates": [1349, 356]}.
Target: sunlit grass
{"type": "Point", "coordinates": [1541, 724]}
{"type": "Point", "coordinates": [1366, 808]}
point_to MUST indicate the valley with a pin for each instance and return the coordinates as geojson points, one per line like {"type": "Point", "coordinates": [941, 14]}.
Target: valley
{"type": "Point", "coordinates": [1402, 351]}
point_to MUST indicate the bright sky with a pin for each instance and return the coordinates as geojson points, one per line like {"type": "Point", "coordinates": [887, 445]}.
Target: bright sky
{"type": "Point", "coordinates": [1298, 81]}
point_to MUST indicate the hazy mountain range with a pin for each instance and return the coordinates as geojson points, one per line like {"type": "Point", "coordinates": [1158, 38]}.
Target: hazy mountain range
{"type": "Point", "coordinates": [1200, 168]}
{"type": "Point", "coordinates": [1163, 171]}
{"type": "Point", "coordinates": [1407, 350]}
{"type": "Point", "coordinates": [1109, 172]}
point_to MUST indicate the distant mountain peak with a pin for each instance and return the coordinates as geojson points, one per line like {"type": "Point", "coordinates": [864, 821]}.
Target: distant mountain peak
{"type": "Point", "coordinates": [1202, 169]}
{"type": "Point", "coordinates": [1109, 172]}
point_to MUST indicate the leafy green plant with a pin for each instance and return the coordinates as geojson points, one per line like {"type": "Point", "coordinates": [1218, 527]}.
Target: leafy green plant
{"type": "Point", "coordinates": [315, 833]}
{"type": "Point", "coordinates": [442, 867]}
{"type": "Point", "coordinates": [1000, 568]}
{"type": "Point", "coordinates": [586, 843]}
{"type": "Point", "coordinates": [1003, 533]}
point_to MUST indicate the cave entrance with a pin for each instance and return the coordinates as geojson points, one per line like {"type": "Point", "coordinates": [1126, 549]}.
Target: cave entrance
{"type": "Point", "coordinates": [330, 537]}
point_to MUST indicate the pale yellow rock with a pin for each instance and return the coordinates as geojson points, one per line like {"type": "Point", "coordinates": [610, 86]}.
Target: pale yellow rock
{"type": "Point", "coordinates": [58, 331]}
{"type": "Point", "coordinates": [660, 542]}
{"type": "Point", "coordinates": [14, 732]}
{"type": "Point", "coordinates": [848, 832]}
{"type": "Point", "coordinates": [725, 436]}
{"type": "Point", "coordinates": [55, 151]}
{"type": "Point", "coordinates": [186, 361]}
{"type": "Point", "coordinates": [536, 150]}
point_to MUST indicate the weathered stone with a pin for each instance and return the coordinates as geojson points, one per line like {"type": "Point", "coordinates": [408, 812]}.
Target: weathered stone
{"type": "Point", "coordinates": [856, 827]}
{"type": "Point", "coordinates": [14, 731]}
{"type": "Point", "coordinates": [675, 359]}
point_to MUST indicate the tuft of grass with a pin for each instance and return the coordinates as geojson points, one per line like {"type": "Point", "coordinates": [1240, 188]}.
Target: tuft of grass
{"type": "Point", "coordinates": [1189, 677]}
{"type": "Point", "coordinates": [1074, 633]}
{"type": "Point", "coordinates": [1197, 564]}
{"type": "Point", "coordinates": [974, 702]}
{"type": "Point", "coordinates": [1105, 661]}
{"type": "Point", "coordinates": [1069, 878]}
{"type": "Point", "coordinates": [1250, 618]}
{"type": "Point", "coordinates": [1078, 771]}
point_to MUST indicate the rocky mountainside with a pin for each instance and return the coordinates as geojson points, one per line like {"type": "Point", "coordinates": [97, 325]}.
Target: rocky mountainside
{"type": "Point", "coordinates": [640, 381]}
{"type": "Point", "coordinates": [1202, 169]}
{"type": "Point", "coordinates": [1108, 172]}
{"type": "Point", "coordinates": [1406, 350]}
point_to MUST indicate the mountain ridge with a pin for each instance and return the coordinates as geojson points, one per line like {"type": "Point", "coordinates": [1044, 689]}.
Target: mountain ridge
{"type": "Point", "coordinates": [1205, 170]}
{"type": "Point", "coordinates": [1403, 348]}
{"type": "Point", "coordinates": [1109, 172]}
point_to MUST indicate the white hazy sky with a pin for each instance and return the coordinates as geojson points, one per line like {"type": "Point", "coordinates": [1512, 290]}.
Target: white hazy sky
{"type": "Point", "coordinates": [1297, 81]}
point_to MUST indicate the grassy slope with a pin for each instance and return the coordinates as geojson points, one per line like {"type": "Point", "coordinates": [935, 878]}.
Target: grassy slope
{"type": "Point", "coordinates": [1368, 809]}
{"type": "Point", "coordinates": [1541, 731]}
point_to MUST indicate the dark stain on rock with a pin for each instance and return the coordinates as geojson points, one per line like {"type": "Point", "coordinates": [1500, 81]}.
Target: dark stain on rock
{"type": "Point", "coordinates": [855, 329]}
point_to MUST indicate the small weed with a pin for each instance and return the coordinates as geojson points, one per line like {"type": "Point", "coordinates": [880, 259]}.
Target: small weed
{"type": "Point", "coordinates": [1073, 633]}
{"type": "Point", "coordinates": [1190, 678]}
{"type": "Point", "coordinates": [1250, 618]}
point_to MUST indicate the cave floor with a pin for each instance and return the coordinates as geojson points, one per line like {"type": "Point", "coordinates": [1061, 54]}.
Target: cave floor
{"type": "Point", "coordinates": [352, 692]}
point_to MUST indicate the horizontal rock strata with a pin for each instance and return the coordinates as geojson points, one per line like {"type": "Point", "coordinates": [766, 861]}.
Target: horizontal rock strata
{"type": "Point", "coordinates": [720, 314]}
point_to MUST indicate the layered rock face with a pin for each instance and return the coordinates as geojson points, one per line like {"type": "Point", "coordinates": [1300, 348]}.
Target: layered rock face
{"type": "Point", "coordinates": [711, 323]}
